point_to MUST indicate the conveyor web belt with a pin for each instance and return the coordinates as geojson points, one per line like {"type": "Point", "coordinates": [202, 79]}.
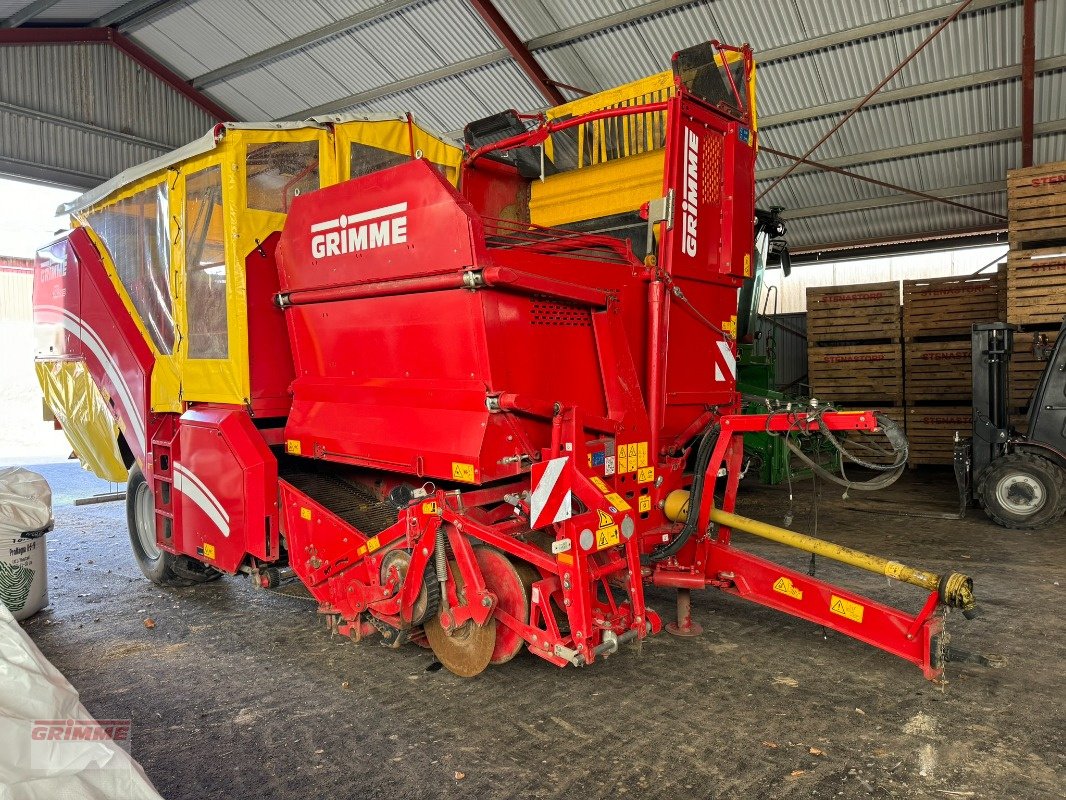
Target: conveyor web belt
{"type": "Point", "coordinates": [355, 504]}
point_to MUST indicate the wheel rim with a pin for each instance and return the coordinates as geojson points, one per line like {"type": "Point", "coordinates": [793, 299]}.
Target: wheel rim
{"type": "Point", "coordinates": [145, 510]}
{"type": "Point", "coordinates": [1020, 494]}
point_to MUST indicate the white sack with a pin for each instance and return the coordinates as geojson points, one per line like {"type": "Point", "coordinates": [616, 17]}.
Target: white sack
{"type": "Point", "coordinates": [25, 501]}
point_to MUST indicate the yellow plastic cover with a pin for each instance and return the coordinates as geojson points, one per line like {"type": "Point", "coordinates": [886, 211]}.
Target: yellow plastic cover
{"type": "Point", "coordinates": [77, 403]}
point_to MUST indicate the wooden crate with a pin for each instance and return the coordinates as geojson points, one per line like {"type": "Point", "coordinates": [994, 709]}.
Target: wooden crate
{"type": "Point", "coordinates": [866, 375]}
{"type": "Point", "coordinates": [1036, 205]}
{"type": "Point", "coordinates": [931, 433]}
{"type": "Point", "coordinates": [948, 307]}
{"type": "Point", "coordinates": [1036, 286]}
{"type": "Point", "coordinates": [846, 314]}
{"type": "Point", "coordinates": [1025, 369]}
{"type": "Point", "coordinates": [938, 373]}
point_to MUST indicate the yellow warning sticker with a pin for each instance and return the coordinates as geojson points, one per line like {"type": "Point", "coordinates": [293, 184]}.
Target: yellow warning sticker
{"type": "Point", "coordinates": [462, 472]}
{"type": "Point", "coordinates": [292, 447]}
{"type": "Point", "coordinates": [645, 474]}
{"type": "Point", "coordinates": [644, 503]}
{"type": "Point", "coordinates": [430, 507]}
{"type": "Point", "coordinates": [785, 587]}
{"type": "Point", "coordinates": [845, 608]}
{"type": "Point", "coordinates": [605, 518]}
{"type": "Point", "coordinates": [606, 537]}
{"type": "Point", "coordinates": [305, 513]}
{"type": "Point", "coordinates": [599, 484]}
{"type": "Point", "coordinates": [372, 544]}
{"type": "Point", "coordinates": [730, 325]}
{"type": "Point", "coordinates": [617, 501]}
{"type": "Point", "coordinates": [209, 550]}
{"type": "Point", "coordinates": [747, 265]}
{"type": "Point", "coordinates": [623, 460]}
{"type": "Point", "coordinates": [632, 453]}
{"type": "Point", "coordinates": [642, 454]}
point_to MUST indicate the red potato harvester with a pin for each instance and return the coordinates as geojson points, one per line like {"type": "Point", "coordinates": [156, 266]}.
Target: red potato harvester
{"type": "Point", "coordinates": [512, 388]}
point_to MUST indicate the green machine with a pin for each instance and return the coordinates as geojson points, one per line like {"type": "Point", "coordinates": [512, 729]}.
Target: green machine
{"type": "Point", "coordinates": [757, 361]}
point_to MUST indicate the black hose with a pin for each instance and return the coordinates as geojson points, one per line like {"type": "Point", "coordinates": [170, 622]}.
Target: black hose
{"type": "Point", "coordinates": [703, 461]}
{"type": "Point", "coordinates": [889, 473]}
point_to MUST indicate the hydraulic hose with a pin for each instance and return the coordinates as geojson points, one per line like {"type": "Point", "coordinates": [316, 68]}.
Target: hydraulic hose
{"type": "Point", "coordinates": [703, 461]}
{"type": "Point", "coordinates": [889, 473]}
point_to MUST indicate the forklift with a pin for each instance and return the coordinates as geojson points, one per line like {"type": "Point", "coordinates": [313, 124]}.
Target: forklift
{"type": "Point", "coordinates": [1019, 479]}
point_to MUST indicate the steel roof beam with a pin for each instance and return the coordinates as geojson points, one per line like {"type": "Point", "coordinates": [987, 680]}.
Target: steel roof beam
{"type": "Point", "coordinates": [292, 45]}
{"type": "Point", "coordinates": [925, 242]}
{"type": "Point", "coordinates": [797, 160]}
{"type": "Point", "coordinates": [1028, 79]}
{"type": "Point", "coordinates": [880, 28]}
{"type": "Point", "coordinates": [27, 13]}
{"type": "Point", "coordinates": [84, 127]}
{"type": "Point", "coordinates": [884, 82]}
{"type": "Point", "coordinates": [981, 236]}
{"type": "Point", "coordinates": [630, 15]}
{"type": "Point", "coordinates": [111, 36]}
{"type": "Point", "coordinates": [36, 172]}
{"type": "Point", "coordinates": [895, 200]}
{"type": "Point", "coordinates": [920, 149]}
{"type": "Point", "coordinates": [134, 13]}
{"type": "Point", "coordinates": [912, 92]}
{"type": "Point", "coordinates": [503, 31]}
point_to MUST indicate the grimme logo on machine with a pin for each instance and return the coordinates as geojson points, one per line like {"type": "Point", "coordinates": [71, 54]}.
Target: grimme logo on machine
{"type": "Point", "coordinates": [690, 201]}
{"type": "Point", "coordinates": [379, 227]}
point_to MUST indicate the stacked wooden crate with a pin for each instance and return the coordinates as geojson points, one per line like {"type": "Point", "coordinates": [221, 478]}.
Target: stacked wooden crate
{"type": "Point", "coordinates": [853, 350]}
{"type": "Point", "coordinates": [938, 315]}
{"type": "Point", "coordinates": [1036, 270]}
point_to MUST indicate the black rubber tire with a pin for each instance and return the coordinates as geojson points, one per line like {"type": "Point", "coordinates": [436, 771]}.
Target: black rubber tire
{"type": "Point", "coordinates": [160, 567]}
{"type": "Point", "coordinates": [1033, 468]}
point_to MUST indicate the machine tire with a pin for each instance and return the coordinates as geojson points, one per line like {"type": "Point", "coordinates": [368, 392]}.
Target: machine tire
{"type": "Point", "coordinates": [160, 567]}
{"type": "Point", "coordinates": [1023, 475]}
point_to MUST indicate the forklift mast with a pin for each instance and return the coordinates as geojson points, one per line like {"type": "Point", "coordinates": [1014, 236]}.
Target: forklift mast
{"type": "Point", "coordinates": [993, 344]}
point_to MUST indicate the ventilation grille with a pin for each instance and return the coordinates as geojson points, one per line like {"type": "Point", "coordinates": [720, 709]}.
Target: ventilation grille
{"type": "Point", "coordinates": [559, 315]}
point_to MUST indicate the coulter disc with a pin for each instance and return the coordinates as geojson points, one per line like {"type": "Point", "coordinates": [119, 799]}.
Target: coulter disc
{"type": "Point", "coordinates": [469, 648]}
{"type": "Point", "coordinates": [467, 651]}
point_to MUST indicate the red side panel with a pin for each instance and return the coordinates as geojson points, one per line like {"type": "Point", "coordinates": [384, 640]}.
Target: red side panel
{"type": "Point", "coordinates": [270, 370]}
{"type": "Point", "coordinates": [78, 314]}
{"type": "Point", "coordinates": [710, 163]}
{"type": "Point", "coordinates": [226, 487]}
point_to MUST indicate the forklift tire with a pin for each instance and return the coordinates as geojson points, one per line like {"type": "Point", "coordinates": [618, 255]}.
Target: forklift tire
{"type": "Point", "coordinates": [1023, 491]}
{"type": "Point", "coordinates": [160, 567]}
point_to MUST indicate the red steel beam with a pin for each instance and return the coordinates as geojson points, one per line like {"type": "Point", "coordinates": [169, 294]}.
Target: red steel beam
{"type": "Point", "coordinates": [858, 106]}
{"type": "Point", "coordinates": [1028, 79]}
{"type": "Point", "coordinates": [118, 40]}
{"type": "Point", "coordinates": [518, 50]}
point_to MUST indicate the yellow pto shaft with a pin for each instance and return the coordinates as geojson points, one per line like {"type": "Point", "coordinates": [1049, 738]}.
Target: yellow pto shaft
{"type": "Point", "coordinates": [955, 589]}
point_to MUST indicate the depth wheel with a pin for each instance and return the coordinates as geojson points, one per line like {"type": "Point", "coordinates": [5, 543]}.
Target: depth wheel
{"type": "Point", "coordinates": [1023, 491]}
{"type": "Point", "coordinates": [468, 650]}
{"type": "Point", "coordinates": [159, 566]}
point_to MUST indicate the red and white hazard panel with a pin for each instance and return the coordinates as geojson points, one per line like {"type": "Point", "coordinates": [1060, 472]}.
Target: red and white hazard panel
{"type": "Point", "coordinates": [551, 500]}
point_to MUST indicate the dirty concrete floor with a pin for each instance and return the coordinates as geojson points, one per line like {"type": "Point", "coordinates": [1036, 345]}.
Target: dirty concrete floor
{"type": "Point", "coordinates": [243, 693]}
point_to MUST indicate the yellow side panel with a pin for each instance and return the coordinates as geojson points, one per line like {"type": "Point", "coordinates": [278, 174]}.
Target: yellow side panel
{"type": "Point", "coordinates": [613, 187]}
{"type": "Point", "coordinates": [76, 402]}
{"type": "Point", "coordinates": [396, 136]}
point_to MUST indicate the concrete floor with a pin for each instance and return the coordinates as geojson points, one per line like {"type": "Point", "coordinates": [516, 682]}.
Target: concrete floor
{"type": "Point", "coordinates": [238, 692]}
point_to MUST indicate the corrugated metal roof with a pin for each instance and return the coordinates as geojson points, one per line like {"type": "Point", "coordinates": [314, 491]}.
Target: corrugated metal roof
{"type": "Point", "coordinates": [80, 113]}
{"type": "Point", "coordinates": [817, 57]}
